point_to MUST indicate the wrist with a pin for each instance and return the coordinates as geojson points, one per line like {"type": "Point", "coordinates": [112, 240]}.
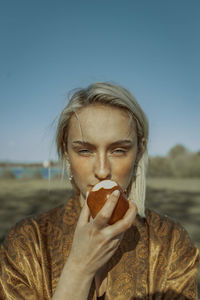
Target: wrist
{"type": "Point", "coordinates": [73, 283]}
{"type": "Point", "coordinates": [79, 269]}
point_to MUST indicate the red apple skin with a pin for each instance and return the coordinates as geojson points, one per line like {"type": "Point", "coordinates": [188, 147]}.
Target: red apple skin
{"type": "Point", "coordinates": [97, 199]}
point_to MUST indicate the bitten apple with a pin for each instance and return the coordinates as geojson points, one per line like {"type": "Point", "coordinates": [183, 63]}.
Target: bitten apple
{"type": "Point", "coordinates": [98, 196]}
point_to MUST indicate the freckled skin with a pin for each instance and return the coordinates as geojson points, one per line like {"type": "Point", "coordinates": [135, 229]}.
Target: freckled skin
{"type": "Point", "coordinates": [101, 125]}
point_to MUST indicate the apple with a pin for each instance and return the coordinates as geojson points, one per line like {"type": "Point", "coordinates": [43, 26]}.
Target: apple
{"type": "Point", "coordinates": [97, 197]}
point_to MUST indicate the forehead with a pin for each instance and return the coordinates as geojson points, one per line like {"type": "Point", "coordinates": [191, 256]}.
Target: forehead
{"type": "Point", "coordinates": [98, 123]}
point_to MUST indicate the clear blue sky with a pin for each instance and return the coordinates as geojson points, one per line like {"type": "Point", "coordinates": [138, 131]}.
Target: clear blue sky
{"type": "Point", "coordinates": [49, 47]}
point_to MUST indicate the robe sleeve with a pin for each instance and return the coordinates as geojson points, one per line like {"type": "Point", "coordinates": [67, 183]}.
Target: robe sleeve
{"type": "Point", "coordinates": [20, 264]}
{"type": "Point", "coordinates": [183, 267]}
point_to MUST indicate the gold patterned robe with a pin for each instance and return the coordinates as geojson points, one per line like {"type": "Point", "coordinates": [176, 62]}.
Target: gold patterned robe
{"type": "Point", "coordinates": [155, 260]}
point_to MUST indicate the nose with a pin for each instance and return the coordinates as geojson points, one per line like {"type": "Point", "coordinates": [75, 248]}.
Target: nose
{"type": "Point", "coordinates": [102, 169]}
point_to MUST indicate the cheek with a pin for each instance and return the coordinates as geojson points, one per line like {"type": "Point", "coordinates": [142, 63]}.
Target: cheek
{"type": "Point", "coordinates": [80, 167]}
{"type": "Point", "coordinates": [123, 170]}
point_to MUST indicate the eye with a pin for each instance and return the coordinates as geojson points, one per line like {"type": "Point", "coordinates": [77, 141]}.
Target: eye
{"type": "Point", "coordinates": [120, 151]}
{"type": "Point", "coordinates": [84, 151]}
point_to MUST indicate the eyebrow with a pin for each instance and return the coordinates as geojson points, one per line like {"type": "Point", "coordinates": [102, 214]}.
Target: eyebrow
{"type": "Point", "coordinates": [119, 142]}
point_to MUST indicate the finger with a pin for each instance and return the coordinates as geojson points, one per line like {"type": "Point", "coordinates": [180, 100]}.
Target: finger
{"type": "Point", "coordinates": [115, 242]}
{"type": "Point", "coordinates": [125, 223]}
{"type": "Point", "coordinates": [118, 237]}
{"type": "Point", "coordinates": [102, 218]}
{"type": "Point", "coordinates": [84, 215]}
{"type": "Point", "coordinates": [130, 215]}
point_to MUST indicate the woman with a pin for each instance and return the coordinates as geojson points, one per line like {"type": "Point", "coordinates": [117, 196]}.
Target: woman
{"type": "Point", "coordinates": [65, 254]}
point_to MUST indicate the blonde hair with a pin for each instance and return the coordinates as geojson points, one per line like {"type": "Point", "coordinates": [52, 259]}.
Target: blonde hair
{"type": "Point", "coordinates": [117, 96]}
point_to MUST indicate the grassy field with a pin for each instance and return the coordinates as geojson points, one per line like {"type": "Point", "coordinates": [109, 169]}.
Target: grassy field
{"type": "Point", "coordinates": [177, 198]}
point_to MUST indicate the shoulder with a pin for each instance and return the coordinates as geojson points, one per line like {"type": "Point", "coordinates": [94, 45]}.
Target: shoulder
{"type": "Point", "coordinates": [162, 226]}
{"type": "Point", "coordinates": [169, 233]}
{"type": "Point", "coordinates": [173, 257]}
{"type": "Point", "coordinates": [25, 259]}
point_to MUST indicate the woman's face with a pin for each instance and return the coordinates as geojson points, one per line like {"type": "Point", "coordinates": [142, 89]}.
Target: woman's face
{"type": "Point", "coordinates": [102, 144]}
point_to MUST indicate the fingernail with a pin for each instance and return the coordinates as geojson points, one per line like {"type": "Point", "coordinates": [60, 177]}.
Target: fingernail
{"type": "Point", "coordinates": [116, 193]}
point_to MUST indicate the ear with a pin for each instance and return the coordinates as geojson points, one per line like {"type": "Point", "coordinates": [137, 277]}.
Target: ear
{"type": "Point", "coordinates": [66, 155]}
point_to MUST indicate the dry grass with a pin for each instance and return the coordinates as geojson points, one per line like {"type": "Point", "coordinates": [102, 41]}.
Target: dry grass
{"type": "Point", "coordinates": [29, 186]}
{"type": "Point", "coordinates": [175, 184]}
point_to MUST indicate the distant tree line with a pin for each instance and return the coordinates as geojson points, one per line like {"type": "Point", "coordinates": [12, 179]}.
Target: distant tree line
{"type": "Point", "coordinates": [179, 162]}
